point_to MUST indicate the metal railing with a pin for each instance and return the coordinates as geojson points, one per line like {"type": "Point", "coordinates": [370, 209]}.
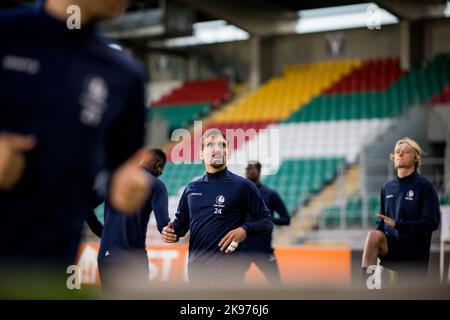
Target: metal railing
{"type": "Point", "coordinates": [341, 210]}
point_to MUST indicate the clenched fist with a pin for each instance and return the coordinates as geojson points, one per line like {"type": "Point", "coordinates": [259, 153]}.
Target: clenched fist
{"type": "Point", "coordinates": [12, 158]}
{"type": "Point", "coordinates": [168, 233]}
{"type": "Point", "coordinates": [130, 184]}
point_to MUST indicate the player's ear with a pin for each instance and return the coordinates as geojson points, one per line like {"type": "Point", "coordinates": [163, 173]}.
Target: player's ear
{"type": "Point", "coordinates": [201, 154]}
{"type": "Point", "coordinates": [228, 153]}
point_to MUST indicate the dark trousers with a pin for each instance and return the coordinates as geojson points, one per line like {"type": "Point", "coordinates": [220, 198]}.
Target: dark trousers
{"type": "Point", "coordinates": [409, 270]}
{"type": "Point", "coordinates": [268, 265]}
{"type": "Point", "coordinates": [229, 271]}
{"type": "Point", "coordinates": [129, 274]}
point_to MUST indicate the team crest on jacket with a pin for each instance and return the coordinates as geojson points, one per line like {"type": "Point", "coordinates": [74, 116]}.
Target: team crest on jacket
{"type": "Point", "coordinates": [410, 195]}
{"type": "Point", "coordinates": [93, 100]}
{"type": "Point", "coordinates": [220, 199]}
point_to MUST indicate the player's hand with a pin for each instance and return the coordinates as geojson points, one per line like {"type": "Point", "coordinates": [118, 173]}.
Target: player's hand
{"type": "Point", "coordinates": [232, 239]}
{"type": "Point", "coordinates": [12, 158]}
{"type": "Point", "coordinates": [130, 184]}
{"type": "Point", "coordinates": [389, 221]}
{"type": "Point", "coordinates": [168, 233]}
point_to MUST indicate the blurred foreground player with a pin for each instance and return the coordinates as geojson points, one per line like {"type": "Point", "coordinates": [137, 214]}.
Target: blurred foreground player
{"type": "Point", "coordinates": [409, 214]}
{"type": "Point", "coordinates": [214, 208]}
{"type": "Point", "coordinates": [258, 249]}
{"type": "Point", "coordinates": [122, 258]}
{"type": "Point", "coordinates": [71, 118]}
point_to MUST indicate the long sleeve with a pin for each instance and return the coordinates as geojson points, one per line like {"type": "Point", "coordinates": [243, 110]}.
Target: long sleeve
{"type": "Point", "coordinates": [430, 219]}
{"type": "Point", "coordinates": [122, 140]}
{"type": "Point", "coordinates": [182, 217]}
{"type": "Point", "coordinates": [257, 209]}
{"type": "Point", "coordinates": [160, 204]}
{"type": "Point", "coordinates": [284, 218]}
{"type": "Point", "coordinates": [94, 224]}
{"type": "Point", "coordinates": [380, 222]}
{"type": "Point", "coordinates": [127, 133]}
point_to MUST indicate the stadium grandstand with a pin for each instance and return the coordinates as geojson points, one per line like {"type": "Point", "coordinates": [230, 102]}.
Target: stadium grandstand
{"type": "Point", "coordinates": [318, 92]}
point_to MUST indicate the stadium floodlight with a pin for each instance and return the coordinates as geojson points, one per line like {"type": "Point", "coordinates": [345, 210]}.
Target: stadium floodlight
{"type": "Point", "coordinates": [216, 31]}
{"type": "Point", "coordinates": [447, 10]}
{"type": "Point", "coordinates": [343, 17]}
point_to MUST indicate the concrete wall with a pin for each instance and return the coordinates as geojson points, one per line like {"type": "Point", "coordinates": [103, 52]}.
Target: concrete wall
{"type": "Point", "coordinates": [165, 66]}
{"type": "Point", "coordinates": [376, 167]}
{"type": "Point", "coordinates": [292, 49]}
{"type": "Point", "coordinates": [439, 132]}
{"type": "Point", "coordinates": [436, 37]}
{"type": "Point", "coordinates": [438, 123]}
{"type": "Point", "coordinates": [234, 58]}
{"type": "Point", "coordinates": [358, 43]}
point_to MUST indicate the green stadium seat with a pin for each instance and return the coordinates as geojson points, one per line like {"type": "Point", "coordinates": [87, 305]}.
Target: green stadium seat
{"type": "Point", "coordinates": [298, 179]}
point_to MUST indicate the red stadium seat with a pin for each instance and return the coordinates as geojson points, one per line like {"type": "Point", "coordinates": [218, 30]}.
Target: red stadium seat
{"type": "Point", "coordinates": [373, 75]}
{"type": "Point", "coordinates": [213, 91]}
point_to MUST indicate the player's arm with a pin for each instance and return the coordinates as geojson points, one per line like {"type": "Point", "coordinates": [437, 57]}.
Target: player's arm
{"type": "Point", "coordinates": [127, 186]}
{"type": "Point", "coordinates": [126, 134]}
{"type": "Point", "coordinates": [284, 218]}
{"type": "Point", "coordinates": [257, 209]}
{"type": "Point", "coordinates": [180, 226]}
{"type": "Point", "coordinates": [94, 224]}
{"type": "Point", "coordinates": [160, 204]}
{"type": "Point", "coordinates": [130, 185]}
{"type": "Point", "coordinates": [380, 221]}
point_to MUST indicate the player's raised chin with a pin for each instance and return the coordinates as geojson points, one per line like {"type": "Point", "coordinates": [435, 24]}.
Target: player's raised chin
{"type": "Point", "coordinates": [215, 153]}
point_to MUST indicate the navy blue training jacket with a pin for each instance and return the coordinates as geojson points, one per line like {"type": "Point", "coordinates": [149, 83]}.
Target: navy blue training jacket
{"type": "Point", "coordinates": [212, 206]}
{"type": "Point", "coordinates": [84, 102]}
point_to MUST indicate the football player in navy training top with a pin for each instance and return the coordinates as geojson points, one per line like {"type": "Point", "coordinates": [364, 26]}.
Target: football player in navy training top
{"type": "Point", "coordinates": [258, 249]}
{"type": "Point", "coordinates": [409, 214]}
{"type": "Point", "coordinates": [122, 258]}
{"type": "Point", "coordinates": [71, 121]}
{"type": "Point", "coordinates": [214, 209]}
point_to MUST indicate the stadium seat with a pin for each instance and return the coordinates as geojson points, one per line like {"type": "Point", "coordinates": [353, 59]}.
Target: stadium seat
{"type": "Point", "coordinates": [211, 91]}
{"type": "Point", "coordinates": [179, 116]}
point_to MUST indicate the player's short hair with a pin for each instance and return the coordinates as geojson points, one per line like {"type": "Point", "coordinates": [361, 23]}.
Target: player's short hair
{"type": "Point", "coordinates": [212, 132]}
{"type": "Point", "coordinates": [257, 164]}
{"type": "Point", "coordinates": [413, 144]}
{"type": "Point", "coordinates": [160, 154]}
